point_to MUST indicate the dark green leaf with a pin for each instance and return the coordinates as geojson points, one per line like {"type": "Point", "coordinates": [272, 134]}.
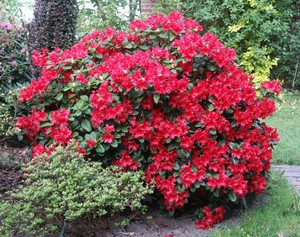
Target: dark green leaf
{"type": "Point", "coordinates": [232, 196]}
{"type": "Point", "coordinates": [114, 143]}
{"type": "Point", "coordinates": [100, 149]}
{"type": "Point", "coordinates": [45, 125]}
{"type": "Point", "coordinates": [86, 125]}
{"type": "Point", "coordinates": [156, 98]}
{"type": "Point", "coordinates": [59, 96]}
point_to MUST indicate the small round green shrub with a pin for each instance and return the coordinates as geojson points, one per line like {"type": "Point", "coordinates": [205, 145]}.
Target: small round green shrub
{"type": "Point", "coordinates": [64, 189]}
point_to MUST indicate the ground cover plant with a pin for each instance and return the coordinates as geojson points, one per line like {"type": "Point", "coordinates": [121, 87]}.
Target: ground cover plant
{"type": "Point", "coordinates": [164, 99]}
{"type": "Point", "coordinates": [286, 120]}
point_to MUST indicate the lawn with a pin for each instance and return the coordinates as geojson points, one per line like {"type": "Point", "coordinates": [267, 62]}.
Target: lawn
{"type": "Point", "coordinates": [287, 121]}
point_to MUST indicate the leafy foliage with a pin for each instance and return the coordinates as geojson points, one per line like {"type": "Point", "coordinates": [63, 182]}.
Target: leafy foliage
{"type": "Point", "coordinates": [14, 72]}
{"type": "Point", "coordinates": [287, 48]}
{"type": "Point", "coordinates": [98, 14]}
{"type": "Point", "coordinates": [62, 189]}
{"type": "Point", "coordinates": [164, 99]}
{"type": "Point", "coordinates": [261, 31]}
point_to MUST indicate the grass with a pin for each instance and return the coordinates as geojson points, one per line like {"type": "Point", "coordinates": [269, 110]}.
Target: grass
{"type": "Point", "coordinates": [287, 121]}
{"type": "Point", "coordinates": [278, 216]}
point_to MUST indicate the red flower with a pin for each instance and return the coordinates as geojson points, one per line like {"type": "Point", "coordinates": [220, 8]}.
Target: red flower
{"type": "Point", "coordinates": [273, 86]}
{"type": "Point", "coordinates": [211, 217]}
{"type": "Point", "coordinates": [91, 143]}
{"type": "Point", "coordinates": [61, 135]}
{"type": "Point", "coordinates": [126, 162]}
{"type": "Point", "coordinates": [80, 150]}
{"type": "Point", "coordinates": [60, 117]}
{"type": "Point", "coordinates": [81, 78]}
{"type": "Point", "coordinates": [108, 138]}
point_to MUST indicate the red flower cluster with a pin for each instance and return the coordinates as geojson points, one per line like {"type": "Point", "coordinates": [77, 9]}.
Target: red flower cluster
{"type": "Point", "coordinates": [272, 86]}
{"type": "Point", "coordinates": [211, 217]}
{"type": "Point", "coordinates": [163, 99]}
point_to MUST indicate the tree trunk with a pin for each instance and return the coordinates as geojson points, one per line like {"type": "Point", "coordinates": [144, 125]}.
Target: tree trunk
{"type": "Point", "coordinates": [54, 25]}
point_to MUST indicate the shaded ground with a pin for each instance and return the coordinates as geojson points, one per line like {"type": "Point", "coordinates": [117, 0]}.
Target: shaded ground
{"type": "Point", "coordinates": [9, 179]}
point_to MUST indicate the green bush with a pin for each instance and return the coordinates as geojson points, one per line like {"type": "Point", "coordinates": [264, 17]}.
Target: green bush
{"type": "Point", "coordinates": [264, 33]}
{"type": "Point", "coordinates": [9, 109]}
{"type": "Point", "coordinates": [151, 100]}
{"type": "Point", "coordinates": [13, 52]}
{"type": "Point", "coordinates": [62, 189]}
{"type": "Point", "coordinates": [14, 65]}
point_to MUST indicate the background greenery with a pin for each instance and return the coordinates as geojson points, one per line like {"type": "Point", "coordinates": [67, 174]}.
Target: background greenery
{"type": "Point", "coordinates": [265, 33]}
{"type": "Point", "coordinates": [287, 119]}
{"type": "Point", "coordinates": [99, 14]}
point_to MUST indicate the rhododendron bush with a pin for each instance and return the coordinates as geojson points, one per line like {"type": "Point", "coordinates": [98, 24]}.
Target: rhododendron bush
{"type": "Point", "coordinates": [164, 99]}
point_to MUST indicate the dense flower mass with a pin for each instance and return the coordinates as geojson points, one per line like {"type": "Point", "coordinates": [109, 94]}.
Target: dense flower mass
{"type": "Point", "coordinates": [164, 99]}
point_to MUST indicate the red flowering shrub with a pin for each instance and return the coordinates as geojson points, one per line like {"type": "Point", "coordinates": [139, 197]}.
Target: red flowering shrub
{"type": "Point", "coordinates": [164, 99]}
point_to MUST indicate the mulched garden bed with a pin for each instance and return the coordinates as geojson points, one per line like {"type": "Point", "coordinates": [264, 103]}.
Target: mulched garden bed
{"type": "Point", "coordinates": [9, 179]}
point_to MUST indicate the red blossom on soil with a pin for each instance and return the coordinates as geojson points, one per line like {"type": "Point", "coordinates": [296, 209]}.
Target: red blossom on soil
{"type": "Point", "coordinates": [211, 217]}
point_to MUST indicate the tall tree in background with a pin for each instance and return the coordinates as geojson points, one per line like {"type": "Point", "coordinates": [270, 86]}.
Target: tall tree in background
{"type": "Point", "coordinates": [134, 5]}
{"type": "Point", "coordinates": [54, 25]}
{"type": "Point", "coordinates": [99, 14]}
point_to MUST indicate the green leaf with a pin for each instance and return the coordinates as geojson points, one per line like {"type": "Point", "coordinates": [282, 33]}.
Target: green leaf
{"type": "Point", "coordinates": [114, 143]}
{"type": "Point", "coordinates": [163, 35]}
{"type": "Point", "coordinates": [124, 129]}
{"type": "Point", "coordinates": [172, 36]}
{"type": "Point", "coordinates": [128, 46]}
{"type": "Point", "coordinates": [59, 96]}
{"type": "Point", "coordinates": [86, 125]}
{"type": "Point", "coordinates": [143, 47]}
{"type": "Point", "coordinates": [99, 56]}
{"type": "Point", "coordinates": [156, 98]}
{"type": "Point", "coordinates": [244, 202]}
{"type": "Point", "coordinates": [45, 125]}
{"type": "Point", "coordinates": [173, 146]}
{"type": "Point", "coordinates": [232, 196]}
{"type": "Point", "coordinates": [234, 145]}
{"type": "Point", "coordinates": [20, 137]}
{"type": "Point", "coordinates": [100, 149]}
{"type": "Point", "coordinates": [176, 174]}
{"type": "Point", "coordinates": [216, 193]}
{"type": "Point", "coordinates": [197, 184]}
{"type": "Point", "coordinates": [176, 166]}
{"type": "Point", "coordinates": [75, 134]}
{"type": "Point", "coordinates": [93, 136]}
{"type": "Point", "coordinates": [84, 98]}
